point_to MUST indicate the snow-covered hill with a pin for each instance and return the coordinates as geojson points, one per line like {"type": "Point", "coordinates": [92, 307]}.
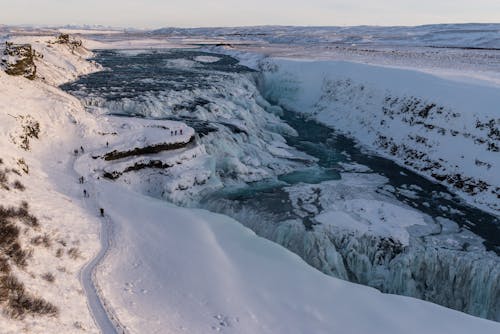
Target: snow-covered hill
{"type": "Point", "coordinates": [39, 128]}
{"type": "Point", "coordinates": [439, 35]}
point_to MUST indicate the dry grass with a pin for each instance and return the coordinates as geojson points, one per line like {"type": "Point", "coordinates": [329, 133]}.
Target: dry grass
{"type": "Point", "coordinates": [18, 185]}
{"type": "Point", "coordinates": [74, 253]}
{"type": "Point", "coordinates": [20, 303]}
{"type": "Point", "coordinates": [42, 240]}
{"type": "Point", "coordinates": [4, 180]}
{"type": "Point", "coordinates": [49, 277]}
{"type": "Point", "coordinates": [15, 301]}
{"type": "Point", "coordinates": [23, 165]}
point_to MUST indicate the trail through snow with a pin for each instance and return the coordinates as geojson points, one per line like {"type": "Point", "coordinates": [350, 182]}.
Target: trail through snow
{"type": "Point", "coordinates": [103, 317]}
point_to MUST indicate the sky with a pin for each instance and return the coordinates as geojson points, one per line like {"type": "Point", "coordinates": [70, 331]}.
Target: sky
{"type": "Point", "coordinates": [196, 13]}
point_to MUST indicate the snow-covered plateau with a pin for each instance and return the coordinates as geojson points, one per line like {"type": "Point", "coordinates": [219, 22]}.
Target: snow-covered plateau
{"type": "Point", "coordinates": [368, 174]}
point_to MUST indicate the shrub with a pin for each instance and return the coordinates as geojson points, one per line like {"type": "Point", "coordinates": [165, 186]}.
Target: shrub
{"type": "Point", "coordinates": [31, 129]}
{"type": "Point", "coordinates": [9, 232]}
{"type": "Point", "coordinates": [18, 185]}
{"type": "Point", "coordinates": [9, 285]}
{"type": "Point", "coordinates": [24, 167]}
{"type": "Point", "coordinates": [74, 253]}
{"type": "Point", "coordinates": [41, 240]}
{"type": "Point", "coordinates": [18, 254]}
{"type": "Point", "coordinates": [4, 266]}
{"type": "Point", "coordinates": [49, 277]}
{"type": "Point", "coordinates": [4, 180]}
{"type": "Point", "coordinates": [21, 304]}
{"type": "Point", "coordinates": [18, 302]}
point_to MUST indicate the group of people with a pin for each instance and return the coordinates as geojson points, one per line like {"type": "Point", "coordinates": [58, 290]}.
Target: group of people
{"type": "Point", "coordinates": [174, 132]}
{"type": "Point", "coordinates": [86, 194]}
{"type": "Point", "coordinates": [81, 179]}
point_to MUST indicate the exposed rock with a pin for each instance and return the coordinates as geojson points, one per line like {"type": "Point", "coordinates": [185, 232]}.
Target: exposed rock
{"type": "Point", "coordinates": [153, 149]}
{"type": "Point", "coordinates": [18, 59]}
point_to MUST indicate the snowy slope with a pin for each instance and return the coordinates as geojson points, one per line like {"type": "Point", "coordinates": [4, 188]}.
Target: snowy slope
{"type": "Point", "coordinates": [53, 197]}
{"type": "Point", "coordinates": [177, 270]}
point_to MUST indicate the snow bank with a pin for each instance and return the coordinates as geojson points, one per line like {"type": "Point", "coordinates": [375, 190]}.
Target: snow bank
{"type": "Point", "coordinates": [446, 130]}
{"type": "Point", "coordinates": [178, 270]}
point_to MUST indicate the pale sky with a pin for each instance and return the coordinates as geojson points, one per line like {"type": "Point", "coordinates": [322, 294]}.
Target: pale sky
{"type": "Point", "coordinates": [196, 13]}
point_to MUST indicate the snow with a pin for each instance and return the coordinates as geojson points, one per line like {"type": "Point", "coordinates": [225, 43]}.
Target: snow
{"type": "Point", "coordinates": [374, 217]}
{"type": "Point", "coordinates": [440, 35]}
{"type": "Point", "coordinates": [430, 124]}
{"type": "Point", "coordinates": [207, 59]}
{"type": "Point", "coordinates": [172, 269]}
{"type": "Point", "coordinates": [60, 63]}
{"type": "Point", "coordinates": [181, 270]}
{"type": "Point", "coordinates": [140, 43]}
{"type": "Point", "coordinates": [51, 192]}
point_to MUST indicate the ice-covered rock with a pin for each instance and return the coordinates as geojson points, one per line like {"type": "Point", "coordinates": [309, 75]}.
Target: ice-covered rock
{"type": "Point", "coordinates": [347, 229]}
{"type": "Point", "coordinates": [237, 126]}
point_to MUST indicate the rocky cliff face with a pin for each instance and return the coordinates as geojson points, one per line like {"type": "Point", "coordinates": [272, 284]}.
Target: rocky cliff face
{"type": "Point", "coordinates": [18, 59]}
{"type": "Point", "coordinates": [448, 131]}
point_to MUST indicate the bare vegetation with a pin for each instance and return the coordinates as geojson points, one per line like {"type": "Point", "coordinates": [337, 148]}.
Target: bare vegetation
{"type": "Point", "coordinates": [14, 299]}
{"type": "Point", "coordinates": [59, 252]}
{"type": "Point", "coordinates": [41, 240]}
{"type": "Point", "coordinates": [73, 43]}
{"type": "Point", "coordinates": [20, 303]}
{"type": "Point", "coordinates": [18, 185]}
{"type": "Point", "coordinates": [49, 277]}
{"type": "Point", "coordinates": [23, 165]}
{"type": "Point", "coordinates": [18, 59]}
{"type": "Point", "coordinates": [9, 232]}
{"type": "Point", "coordinates": [74, 253]}
{"type": "Point", "coordinates": [30, 129]}
{"type": "Point", "coordinates": [4, 180]}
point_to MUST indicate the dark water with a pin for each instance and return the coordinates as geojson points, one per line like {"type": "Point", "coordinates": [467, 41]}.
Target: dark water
{"type": "Point", "coordinates": [142, 74]}
{"type": "Point", "coordinates": [151, 72]}
{"type": "Point", "coordinates": [331, 148]}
